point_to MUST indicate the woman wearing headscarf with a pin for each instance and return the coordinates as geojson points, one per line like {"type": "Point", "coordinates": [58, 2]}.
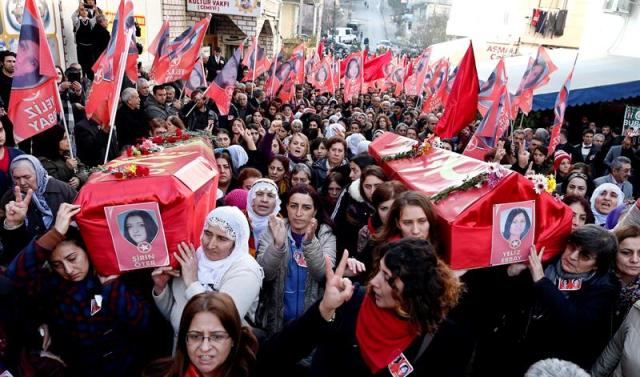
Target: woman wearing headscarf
{"type": "Point", "coordinates": [605, 198]}
{"type": "Point", "coordinates": [222, 263]}
{"type": "Point", "coordinates": [30, 178]}
{"type": "Point", "coordinates": [263, 202]}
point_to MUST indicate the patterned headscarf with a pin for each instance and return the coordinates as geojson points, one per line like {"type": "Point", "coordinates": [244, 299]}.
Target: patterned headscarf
{"type": "Point", "coordinates": [260, 223]}
{"type": "Point", "coordinates": [42, 178]}
{"type": "Point", "coordinates": [233, 222]}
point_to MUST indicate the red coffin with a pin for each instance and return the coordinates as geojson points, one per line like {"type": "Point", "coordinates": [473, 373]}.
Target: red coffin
{"type": "Point", "coordinates": [183, 211]}
{"type": "Point", "coordinates": [466, 217]}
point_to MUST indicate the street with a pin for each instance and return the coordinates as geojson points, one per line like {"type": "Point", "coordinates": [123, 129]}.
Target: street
{"type": "Point", "coordinates": [375, 19]}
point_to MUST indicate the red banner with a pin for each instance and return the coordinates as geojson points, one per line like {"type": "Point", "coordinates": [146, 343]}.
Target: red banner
{"type": "Point", "coordinates": [34, 101]}
{"type": "Point", "coordinates": [353, 76]}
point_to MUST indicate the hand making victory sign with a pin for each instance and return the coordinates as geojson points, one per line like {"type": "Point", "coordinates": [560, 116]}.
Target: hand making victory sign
{"type": "Point", "coordinates": [16, 210]}
{"type": "Point", "coordinates": [338, 288]}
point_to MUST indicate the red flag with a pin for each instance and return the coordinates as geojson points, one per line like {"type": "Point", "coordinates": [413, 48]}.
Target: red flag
{"type": "Point", "coordinates": [320, 50]}
{"type": "Point", "coordinates": [132, 61]}
{"type": "Point", "coordinates": [34, 101]}
{"type": "Point", "coordinates": [256, 59]}
{"type": "Point", "coordinates": [197, 79]}
{"type": "Point", "coordinates": [297, 57]}
{"type": "Point", "coordinates": [321, 77]}
{"type": "Point", "coordinates": [272, 84]}
{"type": "Point", "coordinates": [537, 75]}
{"type": "Point", "coordinates": [288, 89]}
{"type": "Point", "coordinates": [221, 88]}
{"type": "Point", "coordinates": [461, 106]}
{"type": "Point", "coordinates": [159, 44]}
{"type": "Point", "coordinates": [181, 55]}
{"type": "Point", "coordinates": [491, 128]}
{"type": "Point", "coordinates": [558, 110]}
{"type": "Point", "coordinates": [373, 68]}
{"type": "Point", "coordinates": [491, 89]}
{"type": "Point", "coordinates": [353, 76]}
{"type": "Point", "coordinates": [436, 87]}
{"type": "Point", "coordinates": [110, 68]}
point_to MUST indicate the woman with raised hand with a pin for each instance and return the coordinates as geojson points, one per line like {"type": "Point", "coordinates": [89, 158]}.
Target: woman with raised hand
{"type": "Point", "coordinates": [394, 326]}
{"type": "Point", "coordinates": [95, 322]}
{"type": "Point", "coordinates": [222, 263]}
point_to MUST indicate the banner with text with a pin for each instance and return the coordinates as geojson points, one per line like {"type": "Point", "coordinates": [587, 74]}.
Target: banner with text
{"type": "Point", "coordinates": [250, 8]}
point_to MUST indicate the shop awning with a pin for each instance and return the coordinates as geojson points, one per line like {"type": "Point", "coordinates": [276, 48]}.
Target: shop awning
{"type": "Point", "coordinates": [595, 79]}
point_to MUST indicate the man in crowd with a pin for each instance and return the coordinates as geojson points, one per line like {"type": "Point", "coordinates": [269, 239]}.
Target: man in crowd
{"type": "Point", "coordinates": [585, 152]}
{"type": "Point", "coordinates": [8, 60]}
{"type": "Point", "coordinates": [143, 87]}
{"type": "Point", "coordinates": [131, 121]}
{"type": "Point", "coordinates": [619, 176]}
{"type": "Point", "coordinates": [156, 106]}
{"type": "Point", "coordinates": [214, 64]}
{"type": "Point", "coordinates": [173, 104]}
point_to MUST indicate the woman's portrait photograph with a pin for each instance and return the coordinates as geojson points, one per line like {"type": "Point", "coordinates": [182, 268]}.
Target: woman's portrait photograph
{"type": "Point", "coordinates": [513, 232]}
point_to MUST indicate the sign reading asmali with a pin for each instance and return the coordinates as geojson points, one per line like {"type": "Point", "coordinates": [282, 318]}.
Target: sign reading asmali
{"type": "Point", "coordinates": [250, 8]}
{"type": "Point", "coordinates": [631, 122]}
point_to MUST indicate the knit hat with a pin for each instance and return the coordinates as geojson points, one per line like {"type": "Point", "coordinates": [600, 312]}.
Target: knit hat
{"type": "Point", "coordinates": [237, 198]}
{"type": "Point", "coordinates": [559, 157]}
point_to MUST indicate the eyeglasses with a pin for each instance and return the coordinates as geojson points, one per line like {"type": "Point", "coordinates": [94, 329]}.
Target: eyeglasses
{"type": "Point", "coordinates": [197, 338]}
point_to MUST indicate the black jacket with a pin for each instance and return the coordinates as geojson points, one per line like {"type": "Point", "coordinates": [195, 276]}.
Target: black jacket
{"type": "Point", "coordinates": [91, 143]}
{"type": "Point", "coordinates": [131, 125]}
{"type": "Point", "coordinates": [337, 352]}
{"type": "Point", "coordinates": [212, 67]}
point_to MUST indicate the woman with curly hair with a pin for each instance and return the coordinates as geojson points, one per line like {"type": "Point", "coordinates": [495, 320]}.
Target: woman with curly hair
{"type": "Point", "coordinates": [211, 341]}
{"type": "Point", "coordinates": [396, 323]}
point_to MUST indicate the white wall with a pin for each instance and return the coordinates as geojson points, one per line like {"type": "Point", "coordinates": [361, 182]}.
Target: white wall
{"type": "Point", "coordinates": [491, 20]}
{"type": "Point", "coordinates": [150, 9]}
{"type": "Point", "coordinates": [607, 33]}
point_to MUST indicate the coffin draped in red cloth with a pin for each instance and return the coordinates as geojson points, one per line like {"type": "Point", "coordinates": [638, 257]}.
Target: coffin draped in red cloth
{"type": "Point", "coordinates": [182, 209]}
{"type": "Point", "coordinates": [465, 218]}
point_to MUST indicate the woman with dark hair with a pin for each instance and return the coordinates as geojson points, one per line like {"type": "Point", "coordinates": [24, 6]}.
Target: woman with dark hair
{"type": "Point", "coordinates": [354, 207]}
{"type": "Point", "coordinates": [211, 341]}
{"type": "Point", "coordinates": [55, 156]}
{"type": "Point", "coordinates": [318, 149]}
{"type": "Point", "coordinates": [225, 166]}
{"type": "Point", "coordinates": [247, 177]}
{"type": "Point", "coordinates": [627, 269]}
{"type": "Point", "coordinates": [411, 215]}
{"type": "Point", "coordinates": [336, 157]}
{"type": "Point", "coordinates": [394, 325]}
{"type": "Point", "coordinates": [139, 227]}
{"type": "Point", "coordinates": [539, 159]}
{"type": "Point", "coordinates": [102, 337]}
{"type": "Point", "coordinates": [577, 184]}
{"type": "Point", "coordinates": [331, 191]}
{"type": "Point", "coordinates": [278, 168]}
{"type": "Point", "coordinates": [562, 310]}
{"type": "Point", "coordinates": [581, 211]}
{"type": "Point", "coordinates": [382, 123]}
{"type": "Point", "coordinates": [292, 252]}
{"type": "Point", "coordinates": [357, 164]}
{"type": "Point", "coordinates": [381, 200]}
{"type": "Point", "coordinates": [517, 225]}
{"type": "Point", "coordinates": [561, 166]}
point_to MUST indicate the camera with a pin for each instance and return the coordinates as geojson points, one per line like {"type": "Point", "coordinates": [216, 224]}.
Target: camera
{"type": "Point", "coordinates": [73, 75]}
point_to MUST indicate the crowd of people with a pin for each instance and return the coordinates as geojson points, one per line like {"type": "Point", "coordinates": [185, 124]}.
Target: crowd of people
{"type": "Point", "coordinates": [315, 261]}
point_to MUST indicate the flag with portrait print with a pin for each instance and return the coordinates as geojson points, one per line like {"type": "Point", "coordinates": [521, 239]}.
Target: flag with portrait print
{"type": "Point", "coordinates": [558, 110]}
{"type": "Point", "coordinates": [353, 76]}
{"type": "Point", "coordinates": [221, 88]}
{"type": "Point", "coordinates": [181, 54]}
{"type": "Point", "coordinates": [256, 60]}
{"type": "Point", "coordinates": [436, 87]}
{"type": "Point", "coordinates": [297, 60]}
{"type": "Point", "coordinates": [321, 77]}
{"type": "Point", "coordinates": [34, 102]}
{"type": "Point", "coordinates": [110, 68]}
{"type": "Point", "coordinates": [537, 74]}
{"type": "Point", "coordinates": [492, 127]}
{"type": "Point", "coordinates": [491, 89]}
{"type": "Point", "coordinates": [160, 43]}
{"type": "Point", "coordinates": [197, 79]}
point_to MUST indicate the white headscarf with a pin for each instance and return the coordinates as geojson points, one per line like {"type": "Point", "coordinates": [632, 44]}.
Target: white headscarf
{"type": "Point", "coordinates": [260, 223]}
{"type": "Point", "coordinates": [352, 142]}
{"type": "Point", "coordinates": [601, 218]}
{"type": "Point", "coordinates": [234, 223]}
{"type": "Point", "coordinates": [333, 130]}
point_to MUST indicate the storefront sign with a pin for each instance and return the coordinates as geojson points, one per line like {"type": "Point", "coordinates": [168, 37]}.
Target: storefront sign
{"type": "Point", "coordinates": [250, 8]}
{"type": "Point", "coordinates": [631, 122]}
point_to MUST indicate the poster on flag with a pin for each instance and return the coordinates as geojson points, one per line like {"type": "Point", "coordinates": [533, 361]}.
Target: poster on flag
{"type": "Point", "coordinates": [631, 121]}
{"type": "Point", "coordinates": [512, 232]}
{"type": "Point", "coordinates": [221, 88]}
{"type": "Point", "coordinates": [197, 79]}
{"type": "Point", "coordinates": [353, 76]}
{"type": "Point", "coordinates": [137, 235]}
{"type": "Point", "coordinates": [34, 101]}
{"type": "Point", "coordinates": [249, 8]}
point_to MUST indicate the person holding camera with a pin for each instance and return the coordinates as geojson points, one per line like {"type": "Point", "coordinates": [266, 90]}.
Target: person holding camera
{"type": "Point", "coordinates": [101, 35]}
{"type": "Point", "coordinates": [83, 24]}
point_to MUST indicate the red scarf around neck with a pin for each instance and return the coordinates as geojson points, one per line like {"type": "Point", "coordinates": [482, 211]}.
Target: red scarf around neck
{"type": "Point", "coordinates": [192, 371]}
{"type": "Point", "coordinates": [381, 334]}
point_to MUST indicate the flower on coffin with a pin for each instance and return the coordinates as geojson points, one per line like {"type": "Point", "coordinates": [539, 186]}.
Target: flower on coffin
{"type": "Point", "coordinates": [416, 150]}
{"type": "Point", "coordinates": [435, 141]}
{"type": "Point", "coordinates": [496, 173]}
{"type": "Point", "coordinates": [129, 171]}
{"type": "Point", "coordinates": [543, 184]}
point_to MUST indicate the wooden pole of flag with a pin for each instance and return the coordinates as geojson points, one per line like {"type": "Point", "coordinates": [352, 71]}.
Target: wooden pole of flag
{"type": "Point", "coordinates": [66, 126]}
{"type": "Point", "coordinates": [112, 116]}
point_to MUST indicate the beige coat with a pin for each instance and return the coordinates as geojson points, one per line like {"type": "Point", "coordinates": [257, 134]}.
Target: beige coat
{"type": "Point", "coordinates": [621, 358]}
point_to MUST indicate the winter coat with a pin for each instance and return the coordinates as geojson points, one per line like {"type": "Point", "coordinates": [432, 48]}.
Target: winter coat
{"type": "Point", "coordinates": [337, 352]}
{"type": "Point", "coordinates": [274, 261]}
{"type": "Point", "coordinates": [621, 358]}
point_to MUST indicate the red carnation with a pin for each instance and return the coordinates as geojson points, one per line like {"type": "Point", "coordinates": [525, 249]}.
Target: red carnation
{"type": "Point", "coordinates": [186, 137]}
{"type": "Point", "coordinates": [130, 174]}
{"type": "Point", "coordinates": [118, 175]}
{"type": "Point", "coordinates": [157, 139]}
{"type": "Point", "coordinates": [172, 139]}
{"type": "Point", "coordinates": [144, 170]}
{"type": "Point", "coordinates": [178, 132]}
{"type": "Point", "coordinates": [129, 151]}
